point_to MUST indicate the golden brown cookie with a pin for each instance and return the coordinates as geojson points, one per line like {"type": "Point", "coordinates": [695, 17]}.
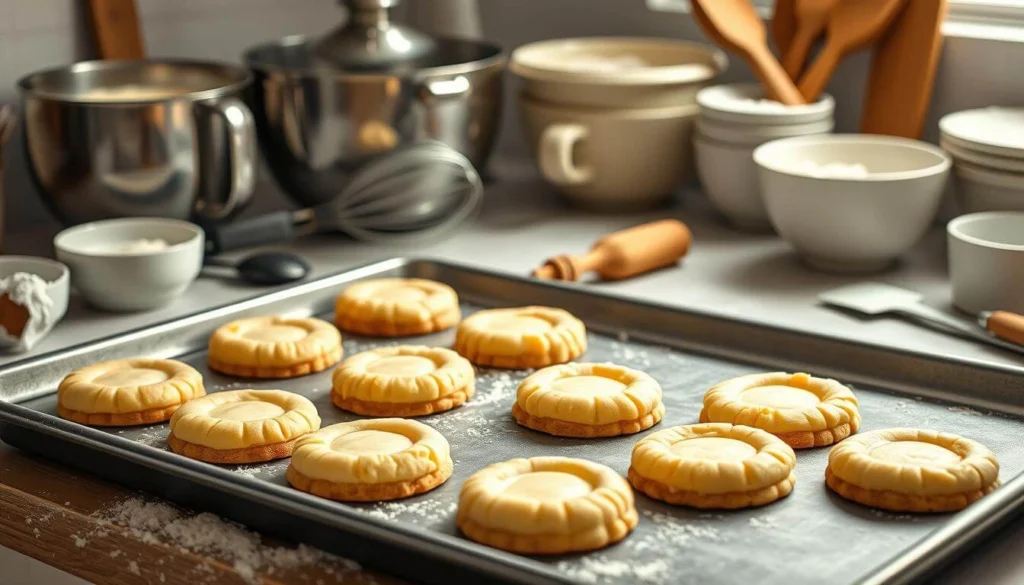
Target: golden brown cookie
{"type": "Point", "coordinates": [911, 470]}
{"type": "Point", "coordinates": [127, 392]}
{"type": "Point", "coordinates": [371, 460]}
{"type": "Point", "coordinates": [713, 465]}
{"type": "Point", "coordinates": [274, 347]}
{"type": "Point", "coordinates": [588, 400]}
{"type": "Point", "coordinates": [800, 409]}
{"type": "Point", "coordinates": [397, 307]}
{"type": "Point", "coordinates": [242, 426]}
{"type": "Point", "coordinates": [546, 505]}
{"type": "Point", "coordinates": [410, 380]}
{"type": "Point", "coordinates": [519, 338]}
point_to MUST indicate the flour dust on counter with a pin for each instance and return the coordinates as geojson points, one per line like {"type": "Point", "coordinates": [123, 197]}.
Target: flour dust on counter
{"type": "Point", "coordinates": [206, 534]}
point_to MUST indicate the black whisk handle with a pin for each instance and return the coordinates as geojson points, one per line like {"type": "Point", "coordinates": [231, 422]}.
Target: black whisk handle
{"type": "Point", "coordinates": [249, 233]}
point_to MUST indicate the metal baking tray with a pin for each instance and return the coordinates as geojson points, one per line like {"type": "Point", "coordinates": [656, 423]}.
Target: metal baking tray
{"type": "Point", "coordinates": [810, 537]}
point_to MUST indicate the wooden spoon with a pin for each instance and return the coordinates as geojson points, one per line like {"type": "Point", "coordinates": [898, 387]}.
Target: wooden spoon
{"type": "Point", "coordinates": [851, 27]}
{"type": "Point", "coordinates": [115, 24]}
{"type": "Point", "coordinates": [811, 17]}
{"type": "Point", "coordinates": [736, 26]}
{"type": "Point", "coordinates": [784, 25]}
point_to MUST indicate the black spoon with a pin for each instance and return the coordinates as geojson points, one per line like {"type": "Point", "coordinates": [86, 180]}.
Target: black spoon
{"type": "Point", "coordinates": [266, 268]}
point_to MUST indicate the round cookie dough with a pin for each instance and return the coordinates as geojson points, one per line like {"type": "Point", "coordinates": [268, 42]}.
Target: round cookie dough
{"type": "Point", "coordinates": [713, 465]}
{"type": "Point", "coordinates": [520, 338]}
{"type": "Point", "coordinates": [397, 307]}
{"type": "Point", "coordinates": [411, 380]}
{"type": "Point", "coordinates": [127, 392]}
{"type": "Point", "coordinates": [800, 409]}
{"type": "Point", "coordinates": [371, 460]}
{"type": "Point", "coordinates": [911, 470]}
{"type": "Point", "coordinates": [274, 347]}
{"type": "Point", "coordinates": [546, 505]}
{"type": "Point", "coordinates": [588, 400]}
{"type": "Point", "coordinates": [242, 426]}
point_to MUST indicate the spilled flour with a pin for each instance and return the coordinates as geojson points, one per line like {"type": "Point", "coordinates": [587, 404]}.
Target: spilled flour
{"type": "Point", "coordinates": [204, 533]}
{"type": "Point", "coordinates": [600, 568]}
{"type": "Point", "coordinates": [965, 410]}
{"type": "Point", "coordinates": [431, 511]}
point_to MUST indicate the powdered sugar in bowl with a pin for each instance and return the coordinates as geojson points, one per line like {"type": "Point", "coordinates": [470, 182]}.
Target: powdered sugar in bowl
{"type": "Point", "coordinates": [132, 264]}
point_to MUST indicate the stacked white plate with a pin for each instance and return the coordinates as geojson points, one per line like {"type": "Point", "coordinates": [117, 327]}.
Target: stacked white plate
{"type": "Point", "coordinates": [734, 120]}
{"type": "Point", "coordinates": [987, 146]}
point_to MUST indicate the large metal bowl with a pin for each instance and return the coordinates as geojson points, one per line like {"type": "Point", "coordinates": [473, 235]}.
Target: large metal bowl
{"type": "Point", "coordinates": [151, 138]}
{"type": "Point", "coordinates": [317, 124]}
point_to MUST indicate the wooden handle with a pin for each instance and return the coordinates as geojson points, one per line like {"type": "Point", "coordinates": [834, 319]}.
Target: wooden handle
{"type": "Point", "coordinates": [818, 76]}
{"type": "Point", "coordinates": [115, 24]}
{"type": "Point", "coordinates": [795, 57]}
{"type": "Point", "coordinates": [624, 254]}
{"type": "Point", "coordinates": [783, 25]}
{"type": "Point", "coordinates": [1006, 325]}
{"type": "Point", "coordinates": [638, 250]}
{"type": "Point", "coordinates": [773, 77]}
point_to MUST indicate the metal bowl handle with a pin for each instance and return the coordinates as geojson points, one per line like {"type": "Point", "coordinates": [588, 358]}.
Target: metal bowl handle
{"type": "Point", "coordinates": [242, 150]}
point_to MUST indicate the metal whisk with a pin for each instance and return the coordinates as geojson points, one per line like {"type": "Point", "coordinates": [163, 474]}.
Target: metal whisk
{"type": "Point", "coordinates": [414, 192]}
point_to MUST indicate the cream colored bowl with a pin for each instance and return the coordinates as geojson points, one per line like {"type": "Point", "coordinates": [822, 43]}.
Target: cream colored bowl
{"type": "Point", "coordinates": [610, 159]}
{"type": "Point", "coordinates": [852, 224]}
{"type": "Point", "coordinates": [986, 261]}
{"type": "Point", "coordinates": [616, 72]}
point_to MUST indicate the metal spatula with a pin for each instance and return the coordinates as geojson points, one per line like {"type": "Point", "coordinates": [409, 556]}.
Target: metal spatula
{"type": "Point", "coordinates": [872, 298]}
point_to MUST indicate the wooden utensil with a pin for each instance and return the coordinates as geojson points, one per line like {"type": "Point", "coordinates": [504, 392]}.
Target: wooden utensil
{"type": "Point", "coordinates": [783, 24]}
{"type": "Point", "coordinates": [736, 26]}
{"type": "Point", "coordinates": [810, 16]}
{"type": "Point", "coordinates": [903, 71]}
{"type": "Point", "coordinates": [115, 24]}
{"type": "Point", "coordinates": [624, 254]}
{"type": "Point", "coordinates": [851, 27]}
{"type": "Point", "coordinates": [1004, 325]}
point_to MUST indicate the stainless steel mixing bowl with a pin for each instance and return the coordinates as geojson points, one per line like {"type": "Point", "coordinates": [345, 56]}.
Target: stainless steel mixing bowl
{"type": "Point", "coordinates": [140, 138]}
{"type": "Point", "coordinates": [318, 123]}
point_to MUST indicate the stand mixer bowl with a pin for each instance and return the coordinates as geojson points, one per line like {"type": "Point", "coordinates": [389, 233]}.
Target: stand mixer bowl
{"type": "Point", "coordinates": [320, 119]}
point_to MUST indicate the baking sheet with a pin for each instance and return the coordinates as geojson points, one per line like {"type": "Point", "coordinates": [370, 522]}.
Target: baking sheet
{"type": "Point", "coordinates": [812, 536]}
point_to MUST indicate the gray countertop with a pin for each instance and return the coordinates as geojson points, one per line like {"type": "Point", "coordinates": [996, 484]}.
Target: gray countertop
{"type": "Point", "coordinates": [752, 277]}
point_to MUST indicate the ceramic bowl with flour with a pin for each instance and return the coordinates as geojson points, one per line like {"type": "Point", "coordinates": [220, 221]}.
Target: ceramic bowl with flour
{"type": "Point", "coordinates": [33, 299]}
{"type": "Point", "coordinates": [132, 264]}
{"type": "Point", "coordinates": [851, 202]}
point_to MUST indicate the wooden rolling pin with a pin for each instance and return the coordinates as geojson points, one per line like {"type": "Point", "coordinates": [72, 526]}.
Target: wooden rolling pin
{"type": "Point", "coordinates": [1004, 325]}
{"type": "Point", "coordinates": [624, 254]}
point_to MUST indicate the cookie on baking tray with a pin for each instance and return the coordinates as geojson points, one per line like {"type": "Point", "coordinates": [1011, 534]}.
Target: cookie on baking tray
{"type": "Point", "coordinates": [397, 307]}
{"type": "Point", "coordinates": [274, 347]}
{"type": "Point", "coordinates": [800, 409]}
{"type": "Point", "coordinates": [520, 338]}
{"type": "Point", "coordinates": [911, 470]}
{"type": "Point", "coordinates": [546, 505]}
{"type": "Point", "coordinates": [127, 392]}
{"type": "Point", "coordinates": [242, 426]}
{"type": "Point", "coordinates": [588, 400]}
{"type": "Point", "coordinates": [402, 381]}
{"type": "Point", "coordinates": [713, 465]}
{"type": "Point", "coordinates": [371, 460]}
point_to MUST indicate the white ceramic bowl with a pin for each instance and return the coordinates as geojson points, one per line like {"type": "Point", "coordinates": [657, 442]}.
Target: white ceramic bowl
{"type": "Point", "coordinates": [852, 224]}
{"type": "Point", "coordinates": [963, 152]}
{"type": "Point", "coordinates": [993, 130]}
{"type": "Point", "coordinates": [978, 190]}
{"type": "Point", "coordinates": [986, 261]}
{"type": "Point", "coordinates": [58, 286]}
{"type": "Point", "coordinates": [752, 135]}
{"type": "Point", "coordinates": [729, 177]}
{"type": "Point", "coordinates": [118, 281]}
{"type": "Point", "coordinates": [741, 103]}
{"type": "Point", "coordinates": [616, 72]}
